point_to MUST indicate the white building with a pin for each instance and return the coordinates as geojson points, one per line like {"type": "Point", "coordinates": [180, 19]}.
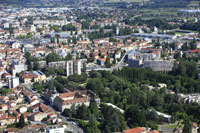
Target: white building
{"type": "Point", "coordinates": [55, 129]}
{"type": "Point", "coordinates": [69, 68]}
{"type": "Point", "coordinates": [16, 45]}
{"type": "Point", "coordinates": [74, 67]}
{"type": "Point", "coordinates": [13, 82]}
{"type": "Point", "coordinates": [22, 110]}
{"type": "Point", "coordinates": [18, 68]}
{"type": "Point", "coordinates": [6, 25]}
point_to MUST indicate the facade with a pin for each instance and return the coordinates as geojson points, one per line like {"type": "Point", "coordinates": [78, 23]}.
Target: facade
{"type": "Point", "coordinates": [13, 82]}
{"type": "Point", "coordinates": [67, 100]}
{"type": "Point", "coordinates": [74, 67]}
{"type": "Point", "coordinates": [18, 68]}
{"type": "Point", "coordinates": [40, 76]}
{"type": "Point", "coordinates": [159, 65]}
{"type": "Point", "coordinates": [70, 68]}
{"type": "Point", "coordinates": [55, 129]}
{"type": "Point", "coordinates": [77, 66]}
{"type": "Point", "coordinates": [38, 116]}
{"type": "Point", "coordinates": [57, 65]}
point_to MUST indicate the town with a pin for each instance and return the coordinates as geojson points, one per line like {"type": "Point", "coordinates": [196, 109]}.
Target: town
{"type": "Point", "coordinates": [99, 69]}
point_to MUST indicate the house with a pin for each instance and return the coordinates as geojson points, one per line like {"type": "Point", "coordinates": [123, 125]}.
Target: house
{"type": "Point", "coordinates": [40, 76]}
{"type": "Point", "coordinates": [22, 110]}
{"type": "Point", "coordinates": [162, 85]}
{"type": "Point", "coordinates": [194, 127]}
{"type": "Point", "coordinates": [27, 77]}
{"type": "Point", "coordinates": [3, 107]}
{"type": "Point", "coordinates": [117, 54]}
{"type": "Point", "coordinates": [135, 130]}
{"type": "Point", "coordinates": [35, 76]}
{"type": "Point", "coordinates": [34, 101]}
{"type": "Point", "coordinates": [6, 120]}
{"type": "Point", "coordinates": [38, 116]}
{"type": "Point", "coordinates": [101, 61]}
{"type": "Point", "coordinates": [198, 45]}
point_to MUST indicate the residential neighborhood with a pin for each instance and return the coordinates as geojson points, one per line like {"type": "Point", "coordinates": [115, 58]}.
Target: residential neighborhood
{"type": "Point", "coordinates": [100, 66]}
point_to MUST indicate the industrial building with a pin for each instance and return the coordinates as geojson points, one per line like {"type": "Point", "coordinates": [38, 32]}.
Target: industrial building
{"type": "Point", "coordinates": [155, 36]}
{"type": "Point", "coordinates": [150, 60]}
{"type": "Point", "coordinates": [159, 65]}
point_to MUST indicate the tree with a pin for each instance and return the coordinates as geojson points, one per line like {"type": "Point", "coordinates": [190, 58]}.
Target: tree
{"type": "Point", "coordinates": [92, 125]}
{"type": "Point", "coordinates": [21, 122]}
{"type": "Point", "coordinates": [68, 27]}
{"type": "Point", "coordinates": [68, 57]}
{"type": "Point", "coordinates": [93, 107]}
{"type": "Point", "coordinates": [135, 116]}
{"type": "Point", "coordinates": [36, 66]}
{"type": "Point", "coordinates": [107, 63]}
{"type": "Point", "coordinates": [187, 126]}
{"type": "Point", "coordinates": [30, 67]}
{"type": "Point", "coordinates": [52, 57]}
{"type": "Point", "coordinates": [67, 113]}
{"type": "Point", "coordinates": [59, 87]}
{"type": "Point", "coordinates": [84, 67]}
{"type": "Point", "coordinates": [82, 112]}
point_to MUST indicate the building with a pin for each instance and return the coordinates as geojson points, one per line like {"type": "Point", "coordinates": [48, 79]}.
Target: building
{"type": "Point", "coordinates": [135, 130]}
{"type": "Point", "coordinates": [27, 77]}
{"type": "Point", "coordinates": [38, 116]}
{"type": "Point", "coordinates": [159, 65]}
{"type": "Point", "coordinates": [194, 127]}
{"type": "Point", "coordinates": [162, 116]}
{"type": "Point", "coordinates": [35, 76]}
{"type": "Point", "coordinates": [13, 82]}
{"type": "Point", "coordinates": [55, 129]}
{"type": "Point", "coordinates": [18, 68]}
{"type": "Point", "coordinates": [155, 36]}
{"type": "Point", "coordinates": [40, 75]}
{"type": "Point", "coordinates": [50, 95]}
{"type": "Point", "coordinates": [69, 68]}
{"type": "Point", "coordinates": [77, 66]}
{"type": "Point", "coordinates": [66, 100]}
{"type": "Point", "coordinates": [57, 65]}
{"type": "Point", "coordinates": [74, 67]}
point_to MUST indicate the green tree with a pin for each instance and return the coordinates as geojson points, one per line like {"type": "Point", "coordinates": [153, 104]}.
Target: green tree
{"type": "Point", "coordinates": [92, 125]}
{"type": "Point", "coordinates": [21, 122]}
{"type": "Point", "coordinates": [52, 57]}
{"type": "Point", "coordinates": [135, 116]}
{"type": "Point", "coordinates": [67, 113]}
{"type": "Point", "coordinates": [107, 63]}
{"type": "Point", "coordinates": [36, 66]}
{"type": "Point", "coordinates": [93, 107]}
{"type": "Point", "coordinates": [187, 126]}
{"type": "Point", "coordinates": [84, 67]}
{"type": "Point", "coordinates": [82, 112]}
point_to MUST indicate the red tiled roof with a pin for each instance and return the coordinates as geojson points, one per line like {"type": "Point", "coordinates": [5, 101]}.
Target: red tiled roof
{"type": "Point", "coordinates": [194, 50]}
{"type": "Point", "coordinates": [28, 75]}
{"type": "Point", "coordinates": [134, 130]}
{"type": "Point", "coordinates": [153, 131]}
{"type": "Point", "coordinates": [70, 94]}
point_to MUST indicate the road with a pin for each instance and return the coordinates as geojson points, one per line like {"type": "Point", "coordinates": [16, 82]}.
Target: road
{"type": "Point", "coordinates": [72, 126]}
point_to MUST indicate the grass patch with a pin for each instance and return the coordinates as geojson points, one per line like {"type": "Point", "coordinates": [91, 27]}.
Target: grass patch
{"type": "Point", "coordinates": [170, 126]}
